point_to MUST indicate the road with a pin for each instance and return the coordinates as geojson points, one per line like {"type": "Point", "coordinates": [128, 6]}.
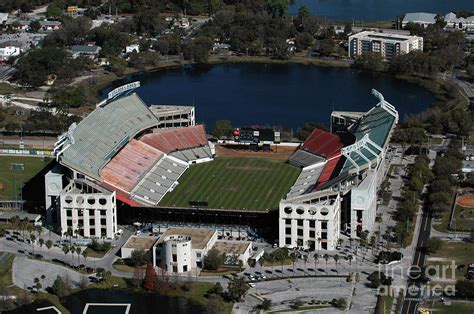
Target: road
{"type": "Point", "coordinates": [413, 298]}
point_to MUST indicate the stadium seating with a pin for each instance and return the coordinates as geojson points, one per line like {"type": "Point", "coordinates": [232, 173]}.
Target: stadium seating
{"type": "Point", "coordinates": [171, 140]}
{"type": "Point", "coordinates": [328, 171]}
{"type": "Point", "coordinates": [130, 164]}
{"type": "Point", "coordinates": [158, 181]}
{"type": "Point", "coordinates": [302, 158]}
{"type": "Point", "coordinates": [105, 131]}
{"type": "Point", "coordinates": [322, 143]}
{"type": "Point", "coordinates": [306, 180]}
{"type": "Point", "coordinates": [193, 153]}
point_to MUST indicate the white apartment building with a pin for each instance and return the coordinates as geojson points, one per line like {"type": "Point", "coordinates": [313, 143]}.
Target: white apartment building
{"type": "Point", "coordinates": [388, 45]}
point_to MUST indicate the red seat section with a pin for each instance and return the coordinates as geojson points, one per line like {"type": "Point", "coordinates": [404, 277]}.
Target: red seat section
{"type": "Point", "coordinates": [130, 164]}
{"type": "Point", "coordinates": [328, 170]}
{"type": "Point", "coordinates": [121, 195]}
{"type": "Point", "coordinates": [322, 143]}
{"type": "Point", "coordinates": [170, 140]}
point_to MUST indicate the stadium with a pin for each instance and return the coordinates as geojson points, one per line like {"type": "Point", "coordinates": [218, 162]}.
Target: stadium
{"type": "Point", "coordinates": [123, 158]}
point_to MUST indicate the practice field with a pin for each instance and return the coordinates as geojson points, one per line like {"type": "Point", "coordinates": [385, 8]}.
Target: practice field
{"type": "Point", "coordinates": [234, 183]}
{"type": "Point", "coordinates": [33, 165]}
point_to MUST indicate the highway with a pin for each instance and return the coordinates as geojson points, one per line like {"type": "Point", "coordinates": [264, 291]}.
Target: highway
{"type": "Point", "coordinates": [413, 298]}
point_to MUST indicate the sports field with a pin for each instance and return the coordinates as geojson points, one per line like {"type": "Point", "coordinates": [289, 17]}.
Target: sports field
{"type": "Point", "coordinates": [32, 166]}
{"type": "Point", "coordinates": [234, 183]}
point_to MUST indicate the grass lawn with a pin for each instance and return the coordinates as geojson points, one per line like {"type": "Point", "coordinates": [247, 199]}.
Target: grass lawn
{"type": "Point", "coordinates": [6, 261]}
{"type": "Point", "coordinates": [8, 89]}
{"type": "Point", "coordinates": [462, 253]}
{"type": "Point", "coordinates": [458, 307]}
{"type": "Point", "coordinates": [234, 183]}
{"type": "Point", "coordinates": [464, 219]}
{"type": "Point", "coordinates": [197, 294]}
{"type": "Point", "coordinates": [384, 304]}
{"type": "Point", "coordinates": [33, 165]}
{"type": "Point", "coordinates": [92, 253]}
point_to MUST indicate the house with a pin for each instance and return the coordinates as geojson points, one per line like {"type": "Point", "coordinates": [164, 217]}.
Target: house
{"type": "Point", "coordinates": [3, 18]}
{"type": "Point", "coordinates": [218, 46]}
{"type": "Point", "coordinates": [420, 18]}
{"type": "Point", "coordinates": [132, 48]}
{"type": "Point", "coordinates": [85, 50]}
{"type": "Point", "coordinates": [8, 51]}
{"type": "Point", "coordinates": [458, 23]}
{"type": "Point", "coordinates": [50, 25]}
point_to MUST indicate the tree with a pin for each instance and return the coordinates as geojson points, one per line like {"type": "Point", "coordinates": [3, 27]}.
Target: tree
{"type": "Point", "coordinates": [340, 303]}
{"type": "Point", "coordinates": [84, 255]}
{"type": "Point", "coordinates": [470, 70]}
{"type": "Point", "coordinates": [326, 258]}
{"type": "Point", "coordinates": [78, 251]}
{"type": "Point", "coordinates": [369, 61]}
{"type": "Point", "coordinates": [266, 304]}
{"type": "Point", "coordinates": [35, 26]}
{"type": "Point", "coordinates": [327, 47]}
{"type": "Point", "coordinates": [38, 285]}
{"type": "Point", "coordinates": [222, 128]}
{"type": "Point", "coordinates": [350, 258]}
{"type": "Point", "coordinates": [434, 245]}
{"type": "Point", "coordinates": [43, 277]}
{"type": "Point", "coordinates": [198, 50]}
{"type": "Point", "coordinates": [236, 289]}
{"type": "Point", "coordinates": [60, 287]}
{"type": "Point", "coordinates": [139, 257]}
{"type": "Point", "coordinates": [215, 305]}
{"type": "Point", "coordinates": [315, 256]}
{"type": "Point", "coordinates": [49, 245]}
{"type": "Point", "coordinates": [303, 41]}
{"type": "Point", "coordinates": [33, 240]}
{"type": "Point", "coordinates": [465, 288]}
{"type": "Point", "coordinates": [213, 259]}
{"type": "Point", "coordinates": [377, 279]}
{"type": "Point", "coordinates": [347, 29]}
{"type": "Point", "coordinates": [216, 289]}
{"type": "Point", "coordinates": [336, 259]}
{"type": "Point", "coordinates": [55, 9]}
{"type": "Point", "coordinates": [150, 278]}
{"type": "Point", "coordinates": [303, 12]}
{"type": "Point", "coordinates": [277, 7]}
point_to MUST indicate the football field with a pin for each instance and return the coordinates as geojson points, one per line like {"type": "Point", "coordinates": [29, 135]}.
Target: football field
{"type": "Point", "coordinates": [234, 183]}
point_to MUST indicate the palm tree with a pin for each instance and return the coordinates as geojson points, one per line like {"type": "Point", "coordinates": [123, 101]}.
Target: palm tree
{"type": "Point", "coordinates": [372, 243]}
{"type": "Point", "coordinates": [84, 255]}
{"type": "Point", "coordinates": [261, 261]}
{"type": "Point", "coordinates": [72, 249]}
{"type": "Point", "coordinates": [316, 256]}
{"type": "Point", "coordinates": [41, 243]}
{"type": "Point", "coordinates": [50, 229]}
{"type": "Point", "coordinates": [33, 239]}
{"type": "Point", "coordinates": [293, 260]}
{"type": "Point", "coordinates": [78, 252]}
{"type": "Point", "coordinates": [305, 260]}
{"type": "Point", "coordinates": [349, 258]}
{"type": "Point", "coordinates": [43, 277]}
{"type": "Point", "coordinates": [340, 241]}
{"type": "Point", "coordinates": [49, 245]}
{"type": "Point", "coordinates": [37, 283]}
{"type": "Point", "coordinates": [38, 230]}
{"type": "Point", "coordinates": [65, 249]}
{"type": "Point", "coordinates": [336, 259]}
{"type": "Point", "coordinates": [326, 258]}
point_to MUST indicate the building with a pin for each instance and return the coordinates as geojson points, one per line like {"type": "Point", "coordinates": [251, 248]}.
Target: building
{"type": "Point", "coordinates": [132, 48]}
{"type": "Point", "coordinates": [458, 23]}
{"type": "Point", "coordinates": [8, 52]}
{"type": "Point", "coordinates": [420, 18]}
{"type": "Point", "coordinates": [388, 45]}
{"type": "Point", "coordinates": [170, 116]}
{"type": "Point", "coordinates": [144, 243]}
{"type": "Point", "coordinates": [88, 210]}
{"type": "Point", "coordinates": [85, 50]}
{"type": "Point", "coordinates": [34, 219]}
{"type": "Point", "coordinates": [182, 249]}
{"type": "Point", "coordinates": [49, 26]}
{"type": "Point", "coordinates": [119, 151]}
{"type": "Point", "coordinates": [337, 188]}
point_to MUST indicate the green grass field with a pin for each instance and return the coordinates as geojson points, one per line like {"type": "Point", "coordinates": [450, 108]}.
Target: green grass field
{"type": "Point", "coordinates": [234, 183]}
{"type": "Point", "coordinates": [33, 165]}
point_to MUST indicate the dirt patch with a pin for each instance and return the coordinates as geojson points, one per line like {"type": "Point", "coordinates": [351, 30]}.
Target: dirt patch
{"type": "Point", "coordinates": [280, 153]}
{"type": "Point", "coordinates": [466, 201]}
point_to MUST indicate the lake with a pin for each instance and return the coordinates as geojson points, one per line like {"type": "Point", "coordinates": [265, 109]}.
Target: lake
{"type": "Point", "coordinates": [285, 95]}
{"type": "Point", "coordinates": [378, 10]}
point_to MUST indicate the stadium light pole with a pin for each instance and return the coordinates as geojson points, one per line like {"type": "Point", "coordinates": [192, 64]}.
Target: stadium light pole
{"type": "Point", "coordinates": [20, 114]}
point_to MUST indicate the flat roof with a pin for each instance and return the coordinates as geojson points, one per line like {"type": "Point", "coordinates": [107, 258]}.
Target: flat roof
{"type": "Point", "coordinates": [228, 247]}
{"type": "Point", "coordinates": [140, 242]}
{"type": "Point", "coordinates": [200, 237]}
{"type": "Point", "coordinates": [10, 214]}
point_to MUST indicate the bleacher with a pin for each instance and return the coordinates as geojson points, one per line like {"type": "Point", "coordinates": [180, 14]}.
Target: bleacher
{"type": "Point", "coordinates": [302, 158]}
{"type": "Point", "coordinates": [329, 171]}
{"type": "Point", "coordinates": [306, 181]}
{"type": "Point", "coordinates": [171, 140]}
{"type": "Point", "coordinates": [158, 181]}
{"type": "Point", "coordinates": [191, 154]}
{"type": "Point", "coordinates": [130, 165]}
{"type": "Point", "coordinates": [322, 143]}
{"type": "Point", "coordinates": [104, 132]}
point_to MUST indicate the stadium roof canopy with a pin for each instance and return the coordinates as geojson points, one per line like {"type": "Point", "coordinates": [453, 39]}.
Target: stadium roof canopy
{"type": "Point", "coordinates": [322, 143]}
{"type": "Point", "coordinates": [88, 146]}
{"type": "Point", "coordinates": [372, 132]}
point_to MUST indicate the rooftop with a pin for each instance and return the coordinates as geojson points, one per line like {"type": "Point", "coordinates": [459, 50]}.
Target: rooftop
{"type": "Point", "coordinates": [85, 49]}
{"type": "Point", "coordinates": [322, 143]}
{"type": "Point", "coordinates": [10, 214]}
{"type": "Point", "coordinates": [384, 36]}
{"type": "Point", "coordinates": [199, 237]}
{"type": "Point", "coordinates": [140, 242]}
{"type": "Point", "coordinates": [420, 17]}
{"type": "Point", "coordinates": [228, 247]}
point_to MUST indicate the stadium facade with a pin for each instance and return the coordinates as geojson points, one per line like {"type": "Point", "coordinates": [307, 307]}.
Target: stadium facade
{"type": "Point", "coordinates": [341, 173]}
{"type": "Point", "coordinates": [123, 151]}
